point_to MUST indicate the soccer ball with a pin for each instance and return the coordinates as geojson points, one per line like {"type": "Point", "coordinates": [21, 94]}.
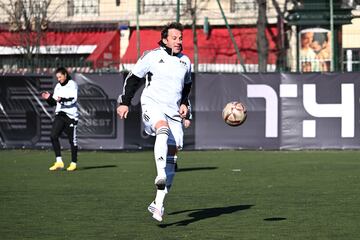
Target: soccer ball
{"type": "Point", "coordinates": [234, 113]}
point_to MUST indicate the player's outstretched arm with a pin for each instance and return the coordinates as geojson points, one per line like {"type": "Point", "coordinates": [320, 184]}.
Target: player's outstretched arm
{"type": "Point", "coordinates": [49, 98]}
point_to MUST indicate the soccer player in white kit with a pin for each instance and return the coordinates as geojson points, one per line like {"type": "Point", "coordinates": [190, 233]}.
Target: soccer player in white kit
{"type": "Point", "coordinates": [164, 103]}
{"type": "Point", "coordinates": [66, 117]}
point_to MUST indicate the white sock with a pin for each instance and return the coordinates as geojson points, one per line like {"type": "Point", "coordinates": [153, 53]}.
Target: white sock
{"type": "Point", "coordinates": [160, 197]}
{"type": "Point", "coordinates": [160, 150]}
{"type": "Point", "coordinates": [59, 159]}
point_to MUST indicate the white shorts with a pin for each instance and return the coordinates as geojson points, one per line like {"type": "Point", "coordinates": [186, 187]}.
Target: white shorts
{"type": "Point", "coordinates": [151, 115]}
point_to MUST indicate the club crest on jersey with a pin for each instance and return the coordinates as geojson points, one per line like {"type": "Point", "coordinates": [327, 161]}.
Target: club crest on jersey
{"type": "Point", "coordinates": [184, 63]}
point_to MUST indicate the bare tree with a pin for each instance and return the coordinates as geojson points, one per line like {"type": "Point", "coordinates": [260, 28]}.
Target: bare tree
{"type": "Point", "coordinates": [28, 19]}
{"type": "Point", "coordinates": [281, 39]}
{"type": "Point", "coordinates": [192, 9]}
{"type": "Point", "coordinates": [261, 40]}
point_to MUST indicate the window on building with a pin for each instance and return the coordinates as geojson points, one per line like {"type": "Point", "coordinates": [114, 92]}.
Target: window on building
{"type": "Point", "coordinates": [243, 5]}
{"type": "Point", "coordinates": [83, 7]}
{"type": "Point", "coordinates": [31, 8]}
{"type": "Point", "coordinates": [163, 6]}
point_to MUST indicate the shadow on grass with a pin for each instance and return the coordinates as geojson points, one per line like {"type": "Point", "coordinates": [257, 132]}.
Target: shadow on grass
{"type": "Point", "coordinates": [200, 214]}
{"type": "Point", "coordinates": [96, 167]}
{"type": "Point", "coordinates": [274, 219]}
{"type": "Point", "coordinates": [195, 169]}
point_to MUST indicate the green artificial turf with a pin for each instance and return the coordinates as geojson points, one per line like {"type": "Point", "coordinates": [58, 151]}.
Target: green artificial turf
{"type": "Point", "coordinates": [216, 195]}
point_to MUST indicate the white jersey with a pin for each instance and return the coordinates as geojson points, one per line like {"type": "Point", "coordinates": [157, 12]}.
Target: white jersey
{"type": "Point", "coordinates": [166, 76]}
{"type": "Point", "coordinates": [68, 103]}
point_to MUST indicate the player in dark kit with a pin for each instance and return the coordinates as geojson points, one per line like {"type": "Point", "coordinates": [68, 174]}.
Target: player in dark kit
{"type": "Point", "coordinates": [66, 116]}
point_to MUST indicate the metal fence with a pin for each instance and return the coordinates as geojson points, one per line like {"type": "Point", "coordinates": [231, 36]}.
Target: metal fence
{"type": "Point", "coordinates": [350, 62]}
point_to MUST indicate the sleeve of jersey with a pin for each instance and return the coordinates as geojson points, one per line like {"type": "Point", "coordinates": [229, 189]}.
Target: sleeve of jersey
{"type": "Point", "coordinates": [131, 84]}
{"type": "Point", "coordinates": [133, 80]}
{"type": "Point", "coordinates": [51, 101]}
{"type": "Point", "coordinates": [187, 87]}
{"type": "Point", "coordinates": [185, 94]}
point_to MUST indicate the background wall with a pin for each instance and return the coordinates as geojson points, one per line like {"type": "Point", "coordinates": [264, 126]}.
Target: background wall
{"type": "Point", "coordinates": [285, 111]}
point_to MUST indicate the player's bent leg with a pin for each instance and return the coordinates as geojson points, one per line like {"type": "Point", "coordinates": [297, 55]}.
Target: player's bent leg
{"type": "Point", "coordinates": [157, 206]}
{"type": "Point", "coordinates": [170, 166]}
{"type": "Point", "coordinates": [175, 139]}
{"type": "Point", "coordinates": [160, 153]}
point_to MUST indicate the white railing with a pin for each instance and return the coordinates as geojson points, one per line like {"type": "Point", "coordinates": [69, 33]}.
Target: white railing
{"type": "Point", "coordinates": [216, 68]}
